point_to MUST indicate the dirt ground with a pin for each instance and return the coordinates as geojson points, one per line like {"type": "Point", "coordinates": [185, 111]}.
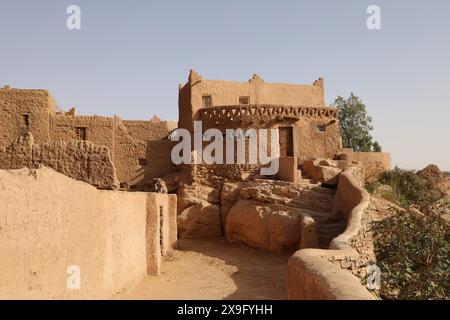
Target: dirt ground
{"type": "Point", "coordinates": [214, 269]}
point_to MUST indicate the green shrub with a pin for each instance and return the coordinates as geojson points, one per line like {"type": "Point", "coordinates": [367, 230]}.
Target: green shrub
{"type": "Point", "coordinates": [413, 253]}
{"type": "Point", "coordinates": [406, 188]}
{"type": "Point", "coordinates": [371, 187]}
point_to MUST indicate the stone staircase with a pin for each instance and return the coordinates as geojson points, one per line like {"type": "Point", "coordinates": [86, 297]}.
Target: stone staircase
{"type": "Point", "coordinates": [327, 229]}
{"type": "Point", "coordinates": [306, 180]}
{"type": "Point", "coordinates": [318, 202]}
{"type": "Point", "coordinates": [311, 199]}
{"type": "Point", "coordinates": [314, 197]}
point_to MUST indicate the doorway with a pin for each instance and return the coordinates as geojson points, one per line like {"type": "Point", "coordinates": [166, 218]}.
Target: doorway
{"type": "Point", "coordinates": [286, 141]}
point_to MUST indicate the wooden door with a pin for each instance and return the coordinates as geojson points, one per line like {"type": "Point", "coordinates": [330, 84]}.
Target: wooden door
{"type": "Point", "coordinates": [286, 142]}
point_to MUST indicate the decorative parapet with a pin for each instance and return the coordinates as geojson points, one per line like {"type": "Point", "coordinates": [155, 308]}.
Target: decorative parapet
{"type": "Point", "coordinates": [262, 111]}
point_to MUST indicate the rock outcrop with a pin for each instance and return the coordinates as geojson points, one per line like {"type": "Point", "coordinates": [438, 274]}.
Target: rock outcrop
{"type": "Point", "coordinates": [271, 227]}
{"type": "Point", "coordinates": [199, 212]}
{"type": "Point", "coordinates": [266, 214]}
{"type": "Point", "coordinates": [279, 216]}
{"type": "Point", "coordinates": [439, 185]}
{"type": "Point", "coordinates": [380, 209]}
{"type": "Point", "coordinates": [324, 171]}
{"type": "Point", "coordinates": [202, 220]}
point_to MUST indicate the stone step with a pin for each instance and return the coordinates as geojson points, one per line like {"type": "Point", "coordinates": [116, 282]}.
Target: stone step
{"type": "Point", "coordinates": [313, 204]}
{"type": "Point", "coordinates": [318, 202]}
{"type": "Point", "coordinates": [328, 230]}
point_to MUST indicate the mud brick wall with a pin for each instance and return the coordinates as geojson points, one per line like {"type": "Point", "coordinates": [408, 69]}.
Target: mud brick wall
{"type": "Point", "coordinates": [113, 237]}
{"type": "Point", "coordinates": [16, 105]}
{"type": "Point", "coordinates": [80, 160]}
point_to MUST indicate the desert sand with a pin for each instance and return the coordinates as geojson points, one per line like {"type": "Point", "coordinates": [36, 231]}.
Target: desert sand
{"type": "Point", "coordinates": [214, 269]}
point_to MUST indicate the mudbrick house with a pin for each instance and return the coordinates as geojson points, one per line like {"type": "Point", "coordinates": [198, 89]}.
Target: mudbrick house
{"type": "Point", "coordinates": [62, 140]}
{"type": "Point", "coordinates": [314, 206]}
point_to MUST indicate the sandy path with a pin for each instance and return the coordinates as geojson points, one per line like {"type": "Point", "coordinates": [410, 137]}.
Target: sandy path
{"type": "Point", "coordinates": [214, 269]}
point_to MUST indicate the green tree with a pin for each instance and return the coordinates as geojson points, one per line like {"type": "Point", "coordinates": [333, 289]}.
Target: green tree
{"type": "Point", "coordinates": [355, 124]}
{"type": "Point", "coordinates": [376, 147]}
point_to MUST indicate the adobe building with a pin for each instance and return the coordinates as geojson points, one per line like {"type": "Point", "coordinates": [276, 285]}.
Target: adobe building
{"type": "Point", "coordinates": [307, 127]}
{"type": "Point", "coordinates": [316, 201]}
{"type": "Point", "coordinates": [109, 152]}
{"type": "Point", "coordinates": [87, 148]}
{"type": "Point", "coordinates": [52, 224]}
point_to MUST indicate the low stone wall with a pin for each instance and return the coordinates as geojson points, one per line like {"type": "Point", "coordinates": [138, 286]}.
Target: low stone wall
{"type": "Point", "coordinates": [310, 277]}
{"type": "Point", "coordinates": [80, 160]}
{"type": "Point", "coordinates": [327, 274]}
{"type": "Point", "coordinates": [352, 202]}
{"type": "Point", "coordinates": [51, 226]}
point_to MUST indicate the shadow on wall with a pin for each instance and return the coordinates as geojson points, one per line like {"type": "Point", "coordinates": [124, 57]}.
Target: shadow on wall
{"type": "Point", "coordinates": [259, 275]}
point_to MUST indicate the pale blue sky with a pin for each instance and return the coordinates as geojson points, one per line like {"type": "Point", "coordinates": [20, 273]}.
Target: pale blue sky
{"type": "Point", "coordinates": [130, 56]}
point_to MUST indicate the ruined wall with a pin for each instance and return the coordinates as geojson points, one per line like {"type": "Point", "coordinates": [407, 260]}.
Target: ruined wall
{"type": "Point", "coordinates": [374, 163]}
{"type": "Point", "coordinates": [80, 160]}
{"type": "Point", "coordinates": [99, 130]}
{"type": "Point", "coordinates": [16, 105]}
{"type": "Point", "coordinates": [155, 129]}
{"type": "Point", "coordinates": [185, 113]}
{"type": "Point", "coordinates": [216, 173]}
{"type": "Point", "coordinates": [128, 153]}
{"type": "Point", "coordinates": [50, 222]}
{"type": "Point", "coordinates": [138, 158]}
{"type": "Point", "coordinates": [135, 160]}
{"type": "Point", "coordinates": [159, 162]}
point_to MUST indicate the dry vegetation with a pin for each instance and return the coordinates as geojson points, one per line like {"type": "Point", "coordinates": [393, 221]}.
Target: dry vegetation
{"type": "Point", "coordinates": [413, 248]}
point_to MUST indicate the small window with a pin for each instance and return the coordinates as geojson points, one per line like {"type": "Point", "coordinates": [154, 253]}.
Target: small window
{"type": "Point", "coordinates": [142, 162]}
{"type": "Point", "coordinates": [321, 128]}
{"type": "Point", "coordinates": [26, 120]}
{"type": "Point", "coordinates": [244, 100]}
{"type": "Point", "coordinates": [81, 133]}
{"type": "Point", "coordinates": [206, 101]}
